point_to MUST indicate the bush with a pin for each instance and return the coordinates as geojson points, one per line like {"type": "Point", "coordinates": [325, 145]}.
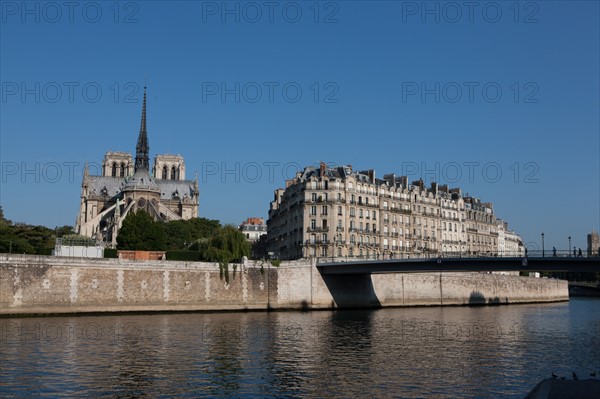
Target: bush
{"type": "Point", "coordinates": [111, 253]}
{"type": "Point", "coordinates": [189, 256]}
{"type": "Point", "coordinates": [44, 251]}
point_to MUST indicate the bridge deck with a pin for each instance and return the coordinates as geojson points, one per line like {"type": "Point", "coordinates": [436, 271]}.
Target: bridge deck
{"type": "Point", "coordinates": [526, 264]}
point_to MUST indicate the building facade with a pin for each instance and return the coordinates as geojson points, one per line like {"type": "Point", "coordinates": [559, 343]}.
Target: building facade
{"type": "Point", "coordinates": [127, 186]}
{"type": "Point", "coordinates": [338, 212]}
{"type": "Point", "coordinates": [509, 242]}
{"type": "Point", "coordinates": [253, 229]}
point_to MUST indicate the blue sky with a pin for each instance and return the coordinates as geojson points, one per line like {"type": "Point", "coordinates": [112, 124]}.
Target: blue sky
{"type": "Point", "coordinates": [501, 99]}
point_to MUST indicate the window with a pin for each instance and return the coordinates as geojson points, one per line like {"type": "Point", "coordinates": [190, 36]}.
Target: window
{"type": "Point", "coordinates": [323, 251]}
{"type": "Point", "coordinates": [340, 210]}
{"type": "Point", "coordinates": [352, 212]}
{"type": "Point", "coordinates": [314, 197]}
{"type": "Point", "coordinates": [352, 239]}
{"type": "Point", "coordinates": [324, 210]}
{"type": "Point", "coordinates": [313, 224]}
{"type": "Point", "coordinates": [122, 170]}
{"type": "Point", "coordinates": [339, 251]}
{"type": "Point", "coordinates": [164, 172]}
{"type": "Point", "coordinates": [313, 238]}
{"type": "Point", "coordinates": [339, 223]}
{"type": "Point", "coordinates": [374, 215]}
{"type": "Point", "coordinates": [313, 210]}
{"type": "Point", "coordinates": [113, 172]}
{"type": "Point", "coordinates": [360, 213]}
{"type": "Point", "coordinates": [173, 172]}
{"type": "Point", "coordinates": [324, 238]}
{"type": "Point", "coordinates": [367, 214]}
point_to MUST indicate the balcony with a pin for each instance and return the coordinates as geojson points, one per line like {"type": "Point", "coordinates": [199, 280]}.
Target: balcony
{"type": "Point", "coordinates": [317, 229]}
{"type": "Point", "coordinates": [400, 210]}
{"type": "Point", "coordinates": [339, 229]}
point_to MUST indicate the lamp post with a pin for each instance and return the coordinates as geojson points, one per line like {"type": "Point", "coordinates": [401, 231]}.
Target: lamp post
{"type": "Point", "coordinates": [569, 251]}
{"type": "Point", "coordinates": [543, 254]}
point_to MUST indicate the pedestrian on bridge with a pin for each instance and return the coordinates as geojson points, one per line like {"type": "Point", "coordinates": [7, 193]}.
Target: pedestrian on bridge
{"type": "Point", "coordinates": [554, 251]}
{"type": "Point", "coordinates": [580, 254]}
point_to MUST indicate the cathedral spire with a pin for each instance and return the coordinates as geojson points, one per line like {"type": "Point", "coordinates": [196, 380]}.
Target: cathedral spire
{"type": "Point", "coordinates": [142, 148]}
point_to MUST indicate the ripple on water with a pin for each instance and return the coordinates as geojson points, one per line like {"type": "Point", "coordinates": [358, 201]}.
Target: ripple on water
{"type": "Point", "coordinates": [454, 352]}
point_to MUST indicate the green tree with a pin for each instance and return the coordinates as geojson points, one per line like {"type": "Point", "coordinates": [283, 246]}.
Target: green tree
{"type": "Point", "coordinates": [228, 245]}
{"type": "Point", "coordinates": [3, 221]}
{"type": "Point", "coordinates": [64, 231]}
{"type": "Point", "coordinates": [181, 234]}
{"type": "Point", "coordinates": [259, 248]}
{"type": "Point", "coordinates": [141, 232]}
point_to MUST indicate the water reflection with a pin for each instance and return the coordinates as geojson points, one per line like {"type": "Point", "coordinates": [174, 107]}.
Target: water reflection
{"type": "Point", "coordinates": [410, 353]}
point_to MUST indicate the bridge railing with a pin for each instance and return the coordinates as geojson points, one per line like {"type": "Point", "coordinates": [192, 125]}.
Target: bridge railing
{"type": "Point", "coordinates": [434, 255]}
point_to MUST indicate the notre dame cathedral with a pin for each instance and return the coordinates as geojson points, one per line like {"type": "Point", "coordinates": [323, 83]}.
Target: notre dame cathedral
{"type": "Point", "coordinates": [125, 187]}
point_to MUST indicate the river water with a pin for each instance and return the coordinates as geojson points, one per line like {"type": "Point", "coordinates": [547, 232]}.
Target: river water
{"type": "Point", "coordinates": [433, 352]}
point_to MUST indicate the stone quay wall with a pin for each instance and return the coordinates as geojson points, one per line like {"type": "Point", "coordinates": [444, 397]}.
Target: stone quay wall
{"type": "Point", "coordinates": [31, 284]}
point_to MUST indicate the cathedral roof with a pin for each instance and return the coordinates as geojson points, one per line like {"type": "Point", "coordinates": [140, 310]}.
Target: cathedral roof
{"type": "Point", "coordinates": [140, 181]}
{"type": "Point", "coordinates": [173, 189]}
{"type": "Point", "coordinates": [113, 186]}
